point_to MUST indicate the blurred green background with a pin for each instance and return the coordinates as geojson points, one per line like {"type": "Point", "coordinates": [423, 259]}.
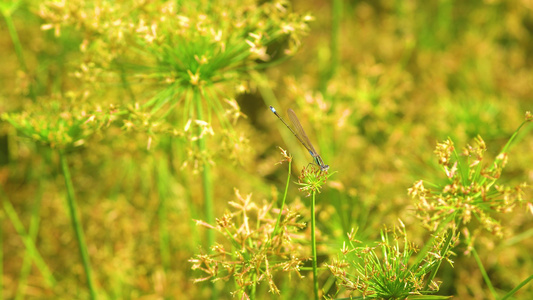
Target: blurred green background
{"type": "Point", "coordinates": [375, 83]}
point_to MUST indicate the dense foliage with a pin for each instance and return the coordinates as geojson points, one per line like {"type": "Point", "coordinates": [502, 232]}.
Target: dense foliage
{"type": "Point", "coordinates": [139, 158]}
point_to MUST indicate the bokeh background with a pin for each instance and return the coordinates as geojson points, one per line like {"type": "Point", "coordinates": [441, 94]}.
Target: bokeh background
{"type": "Point", "coordinates": [376, 84]}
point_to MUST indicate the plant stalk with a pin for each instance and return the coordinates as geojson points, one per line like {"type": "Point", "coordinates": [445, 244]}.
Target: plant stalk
{"type": "Point", "coordinates": [313, 247]}
{"type": "Point", "coordinates": [164, 236]}
{"type": "Point", "coordinates": [32, 234]}
{"type": "Point", "coordinates": [336, 18]}
{"type": "Point", "coordinates": [484, 273]}
{"type": "Point", "coordinates": [518, 287]}
{"type": "Point", "coordinates": [28, 243]}
{"type": "Point", "coordinates": [18, 50]}
{"type": "Point", "coordinates": [76, 224]}
{"type": "Point", "coordinates": [207, 180]}
{"type": "Point", "coordinates": [2, 253]}
{"type": "Point", "coordinates": [206, 173]}
{"type": "Point", "coordinates": [278, 221]}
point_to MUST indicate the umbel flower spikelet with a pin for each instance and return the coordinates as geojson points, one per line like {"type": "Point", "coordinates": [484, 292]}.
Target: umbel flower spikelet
{"type": "Point", "coordinates": [253, 251]}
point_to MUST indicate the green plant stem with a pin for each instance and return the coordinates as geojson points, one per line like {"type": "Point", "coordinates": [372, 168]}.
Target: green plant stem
{"type": "Point", "coordinates": [313, 247]}
{"type": "Point", "coordinates": [206, 176]}
{"type": "Point", "coordinates": [512, 138]}
{"type": "Point", "coordinates": [428, 244]}
{"type": "Point", "coordinates": [276, 228]}
{"type": "Point", "coordinates": [2, 253]}
{"type": "Point", "coordinates": [446, 247]}
{"type": "Point", "coordinates": [32, 234]}
{"type": "Point", "coordinates": [516, 239]}
{"type": "Point", "coordinates": [164, 237]}
{"type": "Point", "coordinates": [336, 14]}
{"type": "Point", "coordinates": [28, 243]}
{"type": "Point", "coordinates": [336, 18]}
{"type": "Point", "coordinates": [206, 180]}
{"type": "Point", "coordinates": [517, 287]}
{"type": "Point", "coordinates": [484, 273]}
{"type": "Point", "coordinates": [125, 83]}
{"type": "Point", "coordinates": [16, 41]}
{"type": "Point", "coordinates": [253, 288]}
{"type": "Point", "coordinates": [18, 48]}
{"type": "Point", "coordinates": [76, 224]}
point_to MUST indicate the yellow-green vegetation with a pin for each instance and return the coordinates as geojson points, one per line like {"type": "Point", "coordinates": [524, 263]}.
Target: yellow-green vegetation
{"type": "Point", "coordinates": [139, 157]}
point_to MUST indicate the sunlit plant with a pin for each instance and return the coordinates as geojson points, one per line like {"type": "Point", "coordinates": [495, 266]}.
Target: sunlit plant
{"type": "Point", "coordinates": [58, 124]}
{"type": "Point", "coordinates": [391, 269]}
{"type": "Point", "coordinates": [180, 66]}
{"type": "Point", "coordinates": [259, 244]}
{"type": "Point", "coordinates": [471, 191]}
{"type": "Point", "coordinates": [311, 180]}
{"type": "Point", "coordinates": [195, 55]}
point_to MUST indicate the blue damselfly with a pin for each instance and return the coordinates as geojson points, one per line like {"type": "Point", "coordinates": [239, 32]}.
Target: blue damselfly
{"type": "Point", "coordinates": [299, 133]}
